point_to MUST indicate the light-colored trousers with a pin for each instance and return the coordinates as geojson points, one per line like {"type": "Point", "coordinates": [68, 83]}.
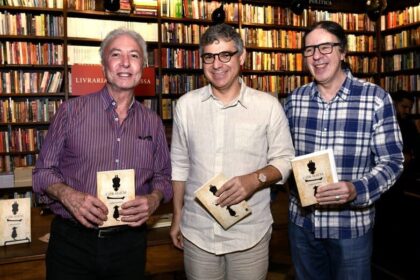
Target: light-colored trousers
{"type": "Point", "coordinates": [250, 264]}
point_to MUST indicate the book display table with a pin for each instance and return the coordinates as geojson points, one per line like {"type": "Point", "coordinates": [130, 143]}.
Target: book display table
{"type": "Point", "coordinates": [27, 261]}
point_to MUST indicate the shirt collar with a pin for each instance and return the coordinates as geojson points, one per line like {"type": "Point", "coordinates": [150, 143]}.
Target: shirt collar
{"type": "Point", "coordinates": [110, 102]}
{"type": "Point", "coordinates": [344, 91]}
{"type": "Point", "coordinates": [208, 94]}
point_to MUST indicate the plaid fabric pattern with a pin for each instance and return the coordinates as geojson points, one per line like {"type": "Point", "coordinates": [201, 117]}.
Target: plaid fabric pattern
{"type": "Point", "coordinates": [360, 125]}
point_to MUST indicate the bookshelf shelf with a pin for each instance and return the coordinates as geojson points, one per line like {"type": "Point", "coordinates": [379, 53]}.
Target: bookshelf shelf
{"type": "Point", "coordinates": [401, 50]}
{"type": "Point", "coordinates": [111, 16]}
{"type": "Point", "coordinates": [400, 28]}
{"type": "Point", "coordinates": [24, 123]}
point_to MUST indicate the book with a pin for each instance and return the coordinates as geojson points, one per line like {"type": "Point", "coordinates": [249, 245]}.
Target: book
{"type": "Point", "coordinates": [158, 221]}
{"type": "Point", "coordinates": [311, 171]}
{"type": "Point", "coordinates": [225, 216]}
{"type": "Point", "coordinates": [15, 221]}
{"type": "Point", "coordinates": [115, 187]}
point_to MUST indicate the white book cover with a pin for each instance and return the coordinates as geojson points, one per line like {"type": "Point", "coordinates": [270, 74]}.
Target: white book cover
{"type": "Point", "coordinates": [225, 216]}
{"type": "Point", "coordinates": [311, 171]}
{"type": "Point", "coordinates": [115, 187]}
{"type": "Point", "coordinates": [15, 221]}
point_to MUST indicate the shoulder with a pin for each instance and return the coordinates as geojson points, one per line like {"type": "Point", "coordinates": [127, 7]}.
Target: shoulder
{"type": "Point", "coordinates": [369, 92]}
{"type": "Point", "coordinates": [193, 97]}
{"type": "Point", "coordinates": [260, 97]}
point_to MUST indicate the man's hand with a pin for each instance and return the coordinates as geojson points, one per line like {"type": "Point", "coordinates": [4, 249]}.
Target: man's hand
{"type": "Point", "coordinates": [175, 232]}
{"type": "Point", "coordinates": [237, 189]}
{"type": "Point", "coordinates": [137, 211]}
{"type": "Point", "coordinates": [87, 209]}
{"type": "Point", "coordinates": [336, 193]}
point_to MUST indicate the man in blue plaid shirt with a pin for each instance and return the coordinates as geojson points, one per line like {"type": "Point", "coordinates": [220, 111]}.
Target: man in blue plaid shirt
{"type": "Point", "coordinates": [356, 119]}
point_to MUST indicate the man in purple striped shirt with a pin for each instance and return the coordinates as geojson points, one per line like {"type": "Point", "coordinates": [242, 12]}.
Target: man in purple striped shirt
{"type": "Point", "coordinates": [106, 130]}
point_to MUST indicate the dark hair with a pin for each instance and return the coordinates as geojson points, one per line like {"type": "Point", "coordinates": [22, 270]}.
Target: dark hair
{"type": "Point", "coordinates": [335, 29]}
{"type": "Point", "coordinates": [223, 32]}
{"type": "Point", "coordinates": [399, 95]}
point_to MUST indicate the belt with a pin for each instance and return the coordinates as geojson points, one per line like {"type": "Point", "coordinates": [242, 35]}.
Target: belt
{"type": "Point", "coordinates": [100, 232]}
{"type": "Point", "coordinates": [108, 232]}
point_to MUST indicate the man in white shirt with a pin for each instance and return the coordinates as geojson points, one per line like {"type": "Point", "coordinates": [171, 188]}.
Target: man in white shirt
{"type": "Point", "coordinates": [230, 128]}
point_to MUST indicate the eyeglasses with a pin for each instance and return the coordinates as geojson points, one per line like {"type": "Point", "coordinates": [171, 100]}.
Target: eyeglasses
{"type": "Point", "coordinates": [208, 58]}
{"type": "Point", "coordinates": [324, 48]}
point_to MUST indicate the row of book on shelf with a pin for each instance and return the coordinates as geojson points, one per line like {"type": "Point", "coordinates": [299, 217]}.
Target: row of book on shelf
{"type": "Point", "coordinates": [22, 140]}
{"type": "Point", "coordinates": [404, 39]}
{"type": "Point", "coordinates": [401, 82]}
{"type": "Point", "coordinates": [23, 24]}
{"type": "Point", "coordinates": [398, 62]}
{"type": "Point", "coordinates": [398, 18]}
{"type": "Point", "coordinates": [58, 4]}
{"type": "Point", "coordinates": [26, 81]}
{"type": "Point", "coordinates": [9, 163]}
{"type": "Point", "coordinates": [19, 52]}
{"type": "Point", "coordinates": [34, 110]}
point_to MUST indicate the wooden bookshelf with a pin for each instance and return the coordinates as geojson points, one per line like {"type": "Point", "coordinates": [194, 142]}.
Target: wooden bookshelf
{"type": "Point", "coordinates": [272, 34]}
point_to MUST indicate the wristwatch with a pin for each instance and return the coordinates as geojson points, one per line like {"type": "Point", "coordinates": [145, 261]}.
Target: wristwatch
{"type": "Point", "coordinates": [262, 178]}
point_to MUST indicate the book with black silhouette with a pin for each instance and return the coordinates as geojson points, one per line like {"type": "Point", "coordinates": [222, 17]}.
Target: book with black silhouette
{"type": "Point", "coordinates": [225, 216]}
{"type": "Point", "coordinates": [15, 221]}
{"type": "Point", "coordinates": [311, 171]}
{"type": "Point", "coordinates": [115, 187]}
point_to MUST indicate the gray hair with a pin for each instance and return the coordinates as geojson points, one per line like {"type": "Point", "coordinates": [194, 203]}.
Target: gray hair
{"type": "Point", "coordinates": [119, 32]}
{"type": "Point", "coordinates": [221, 32]}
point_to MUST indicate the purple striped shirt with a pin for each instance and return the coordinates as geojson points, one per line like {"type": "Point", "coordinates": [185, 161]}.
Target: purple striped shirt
{"type": "Point", "coordinates": [85, 137]}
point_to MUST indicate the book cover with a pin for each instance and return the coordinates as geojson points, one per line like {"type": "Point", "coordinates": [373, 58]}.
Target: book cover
{"type": "Point", "coordinates": [15, 221]}
{"type": "Point", "coordinates": [115, 187]}
{"type": "Point", "coordinates": [225, 216]}
{"type": "Point", "coordinates": [89, 78]}
{"type": "Point", "coordinates": [311, 171]}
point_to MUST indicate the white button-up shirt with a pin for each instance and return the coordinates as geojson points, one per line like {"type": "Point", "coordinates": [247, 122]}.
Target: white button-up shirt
{"type": "Point", "coordinates": [208, 138]}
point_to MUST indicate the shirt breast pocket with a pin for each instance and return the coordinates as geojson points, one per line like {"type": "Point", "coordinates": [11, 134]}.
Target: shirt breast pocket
{"type": "Point", "coordinates": [250, 138]}
{"type": "Point", "coordinates": [144, 153]}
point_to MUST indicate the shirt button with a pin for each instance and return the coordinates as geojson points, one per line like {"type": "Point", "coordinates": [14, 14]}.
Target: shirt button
{"type": "Point", "coordinates": [117, 160]}
{"type": "Point", "coordinates": [113, 103]}
{"type": "Point", "coordinates": [116, 119]}
{"type": "Point", "coordinates": [118, 139]}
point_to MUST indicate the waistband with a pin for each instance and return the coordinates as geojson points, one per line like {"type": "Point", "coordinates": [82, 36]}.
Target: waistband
{"type": "Point", "coordinates": [105, 232]}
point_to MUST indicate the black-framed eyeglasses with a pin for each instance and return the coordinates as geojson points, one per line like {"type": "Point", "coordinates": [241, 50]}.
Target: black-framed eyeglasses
{"type": "Point", "coordinates": [324, 48]}
{"type": "Point", "coordinates": [208, 58]}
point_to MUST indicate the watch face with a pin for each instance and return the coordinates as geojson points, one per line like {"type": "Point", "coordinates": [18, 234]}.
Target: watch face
{"type": "Point", "coordinates": [262, 178]}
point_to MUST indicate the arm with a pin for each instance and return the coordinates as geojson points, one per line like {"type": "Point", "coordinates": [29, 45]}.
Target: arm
{"type": "Point", "coordinates": [178, 202]}
{"type": "Point", "coordinates": [87, 209]}
{"type": "Point", "coordinates": [280, 152]}
{"type": "Point", "coordinates": [49, 182]}
{"type": "Point", "coordinates": [242, 187]}
{"type": "Point", "coordinates": [386, 147]}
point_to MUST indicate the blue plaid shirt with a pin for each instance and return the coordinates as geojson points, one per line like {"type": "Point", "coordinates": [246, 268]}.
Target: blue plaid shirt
{"type": "Point", "coordinates": [360, 125]}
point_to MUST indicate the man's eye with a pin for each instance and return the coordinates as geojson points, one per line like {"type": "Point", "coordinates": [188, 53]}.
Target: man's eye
{"type": "Point", "coordinates": [224, 54]}
{"type": "Point", "coordinates": [208, 56]}
{"type": "Point", "coordinates": [324, 47]}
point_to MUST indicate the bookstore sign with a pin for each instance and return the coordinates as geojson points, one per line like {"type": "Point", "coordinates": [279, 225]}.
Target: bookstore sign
{"type": "Point", "coordinates": [89, 78]}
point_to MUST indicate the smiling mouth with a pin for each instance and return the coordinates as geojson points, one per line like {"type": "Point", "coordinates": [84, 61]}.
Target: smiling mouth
{"type": "Point", "coordinates": [124, 75]}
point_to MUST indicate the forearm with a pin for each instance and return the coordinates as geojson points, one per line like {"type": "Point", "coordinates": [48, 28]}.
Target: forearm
{"type": "Point", "coordinates": [58, 191]}
{"type": "Point", "coordinates": [178, 199]}
{"type": "Point", "coordinates": [272, 174]}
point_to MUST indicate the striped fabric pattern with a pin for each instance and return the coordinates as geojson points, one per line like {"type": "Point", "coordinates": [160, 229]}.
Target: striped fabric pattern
{"type": "Point", "coordinates": [85, 137]}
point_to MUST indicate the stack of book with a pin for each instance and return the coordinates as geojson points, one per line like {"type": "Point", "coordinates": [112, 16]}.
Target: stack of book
{"type": "Point", "coordinates": [145, 7]}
